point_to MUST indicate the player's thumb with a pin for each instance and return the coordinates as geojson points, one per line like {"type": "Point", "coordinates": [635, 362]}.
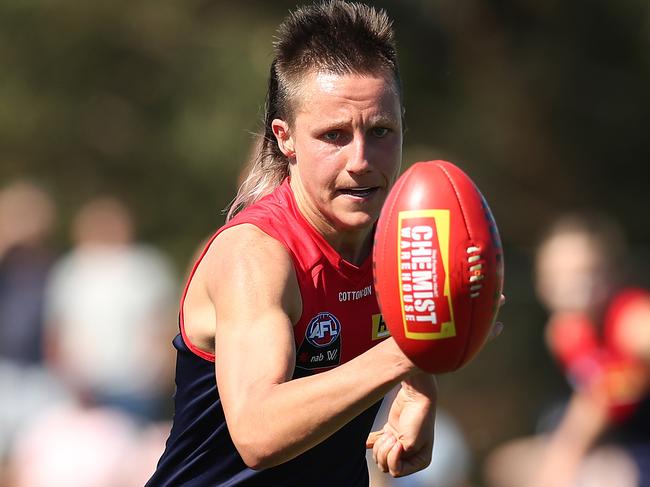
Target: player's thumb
{"type": "Point", "coordinates": [372, 438]}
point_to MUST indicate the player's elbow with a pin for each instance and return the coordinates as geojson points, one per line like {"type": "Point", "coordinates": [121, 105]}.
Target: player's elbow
{"type": "Point", "coordinates": [255, 450]}
{"type": "Point", "coordinates": [254, 458]}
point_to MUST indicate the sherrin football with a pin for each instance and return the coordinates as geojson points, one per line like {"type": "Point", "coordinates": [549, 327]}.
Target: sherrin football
{"type": "Point", "coordinates": [438, 266]}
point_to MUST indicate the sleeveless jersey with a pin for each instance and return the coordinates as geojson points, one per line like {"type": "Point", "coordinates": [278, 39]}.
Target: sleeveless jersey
{"type": "Point", "coordinates": [340, 320]}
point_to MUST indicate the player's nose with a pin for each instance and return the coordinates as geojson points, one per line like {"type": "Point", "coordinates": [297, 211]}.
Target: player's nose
{"type": "Point", "coordinates": [357, 156]}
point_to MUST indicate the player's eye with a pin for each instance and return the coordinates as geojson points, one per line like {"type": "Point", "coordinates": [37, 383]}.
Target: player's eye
{"type": "Point", "coordinates": [332, 135]}
{"type": "Point", "coordinates": [379, 132]}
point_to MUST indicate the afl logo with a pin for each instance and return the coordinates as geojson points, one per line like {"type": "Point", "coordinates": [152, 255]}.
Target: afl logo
{"type": "Point", "coordinates": [323, 329]}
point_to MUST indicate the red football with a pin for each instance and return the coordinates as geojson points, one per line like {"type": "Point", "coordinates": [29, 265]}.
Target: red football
{"type": "Point", "coordinates": [438, 266]}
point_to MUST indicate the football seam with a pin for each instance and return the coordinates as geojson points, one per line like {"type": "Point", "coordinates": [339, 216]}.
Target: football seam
{"type": "Point", "coordinates": [462, 212]}
{"type": "Point", "coordinates": [458, 198]}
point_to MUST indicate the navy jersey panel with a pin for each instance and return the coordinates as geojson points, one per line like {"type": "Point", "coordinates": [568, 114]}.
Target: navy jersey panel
{"type": "Point", "coordinates": [339, 460]}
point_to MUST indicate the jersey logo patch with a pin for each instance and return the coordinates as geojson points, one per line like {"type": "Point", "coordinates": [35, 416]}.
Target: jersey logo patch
{"type": "Point", "coordinates": [321, 346]}
{"type": "Point", "coordinates": [323, 329]}
{"type": "Point", "coordinates": [379, 328]}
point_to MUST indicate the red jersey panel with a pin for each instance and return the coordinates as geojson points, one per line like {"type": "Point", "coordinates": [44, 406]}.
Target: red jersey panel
{"type": "Point", "coordinates": [340, 317]}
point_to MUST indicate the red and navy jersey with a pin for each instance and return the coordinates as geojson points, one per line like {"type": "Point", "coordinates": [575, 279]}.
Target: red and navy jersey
{"type": "Point", "coordinates": [340, 320]}
{"type": "Point", "coordinates": [594, 360]}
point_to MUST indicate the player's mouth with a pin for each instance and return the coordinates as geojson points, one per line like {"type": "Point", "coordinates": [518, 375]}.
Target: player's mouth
{"type": "Point", "coordinates": [359, 193]}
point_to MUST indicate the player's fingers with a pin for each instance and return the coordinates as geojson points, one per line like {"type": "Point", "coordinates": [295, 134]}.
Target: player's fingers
{"type": "Point", "coordinates": [394, 459]}
{"type": "Point", "coordinates": [381, 449]}
{"type": "Point", "coordinates": [378, 437]}
{"type": "Point", "coordinates": [375, 447]}
{"type": "Point", "coordinates": [502, 300]}
{"type": "Point", "coordinates": [373, 437]}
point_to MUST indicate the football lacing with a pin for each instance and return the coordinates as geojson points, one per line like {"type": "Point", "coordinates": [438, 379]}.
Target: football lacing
{"type": "Point", "coordinates": [475, 271]}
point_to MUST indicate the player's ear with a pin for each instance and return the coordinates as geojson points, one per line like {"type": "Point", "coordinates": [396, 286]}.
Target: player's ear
{"type": "Point", "coordinates": [284, 137]}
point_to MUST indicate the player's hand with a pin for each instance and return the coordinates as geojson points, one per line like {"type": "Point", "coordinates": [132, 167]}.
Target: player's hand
{"type": "Point", "coordinates": [405, 443]}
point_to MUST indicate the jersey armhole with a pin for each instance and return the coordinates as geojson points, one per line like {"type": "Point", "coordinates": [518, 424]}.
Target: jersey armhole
{"type": "Point", "coordinates": [181, 315]}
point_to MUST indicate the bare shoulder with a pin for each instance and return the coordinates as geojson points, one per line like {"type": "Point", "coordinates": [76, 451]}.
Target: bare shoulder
{"type": "Point", "coordinates": [241, 246]}
{"type": "Point", "coordinates": [245, 263]}
{"type": "Point", "coordinates": [246, 239]}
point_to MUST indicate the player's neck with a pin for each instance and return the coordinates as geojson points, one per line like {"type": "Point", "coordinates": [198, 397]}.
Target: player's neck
{"type": "Point", "coordinates": [356, 252]}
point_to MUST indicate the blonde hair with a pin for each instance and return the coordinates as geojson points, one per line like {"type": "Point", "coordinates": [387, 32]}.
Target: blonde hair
{"type": "Point", "coordinates": [333, 36]}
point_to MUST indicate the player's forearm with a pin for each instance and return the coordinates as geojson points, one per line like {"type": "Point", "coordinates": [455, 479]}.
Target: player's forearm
{"type": "Point", "coordinates": [280, 422]}
{"type": "Point", "coordinates": [422, 385]}
{"type": "Point", "coordinates": [583, 422]}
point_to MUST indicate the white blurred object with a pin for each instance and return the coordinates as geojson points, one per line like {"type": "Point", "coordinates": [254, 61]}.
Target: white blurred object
{"type": "Point", "coordinates": [107, 303]}
{"type": "Point", "coordinates": [26, 393]}
{"type": "Point", "coordinates": [451, 462]}
{"type": "Point", "coordinates": [70, 445]}
{"type": "Point", "coordinates": [73, 447]}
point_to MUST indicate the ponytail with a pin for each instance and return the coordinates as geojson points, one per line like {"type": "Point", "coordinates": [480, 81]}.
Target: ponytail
{"type": "Point", "coordinates": [268, 166]}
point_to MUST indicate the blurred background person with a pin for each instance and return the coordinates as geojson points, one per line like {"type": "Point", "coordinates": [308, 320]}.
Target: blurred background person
{"type": "Point", "coordinates": [599, 333]}
{"type": "Point", "coordinates": [109, 314]}
{"type": "Point", "coordinates": [108, 320]}
{"type": "Point", "coordinates": [26, 217]}
{"type": "Point", "coordinates": [27, 214]}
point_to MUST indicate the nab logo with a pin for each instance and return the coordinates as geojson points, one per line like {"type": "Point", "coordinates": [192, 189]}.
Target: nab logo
{"type": "Point", "coordinates": [323, 329]}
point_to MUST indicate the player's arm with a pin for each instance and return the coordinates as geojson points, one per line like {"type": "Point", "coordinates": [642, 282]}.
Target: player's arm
{"type": "Point", "coordinates": [583, 422]}
{"type": "Point", "coordinates": [271, 418]}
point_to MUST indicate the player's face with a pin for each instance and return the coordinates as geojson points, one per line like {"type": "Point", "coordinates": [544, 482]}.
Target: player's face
{"type": "Point", "coordinates": [347, 140]}
{"type": "Point", "coordinates": [571, 273]}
